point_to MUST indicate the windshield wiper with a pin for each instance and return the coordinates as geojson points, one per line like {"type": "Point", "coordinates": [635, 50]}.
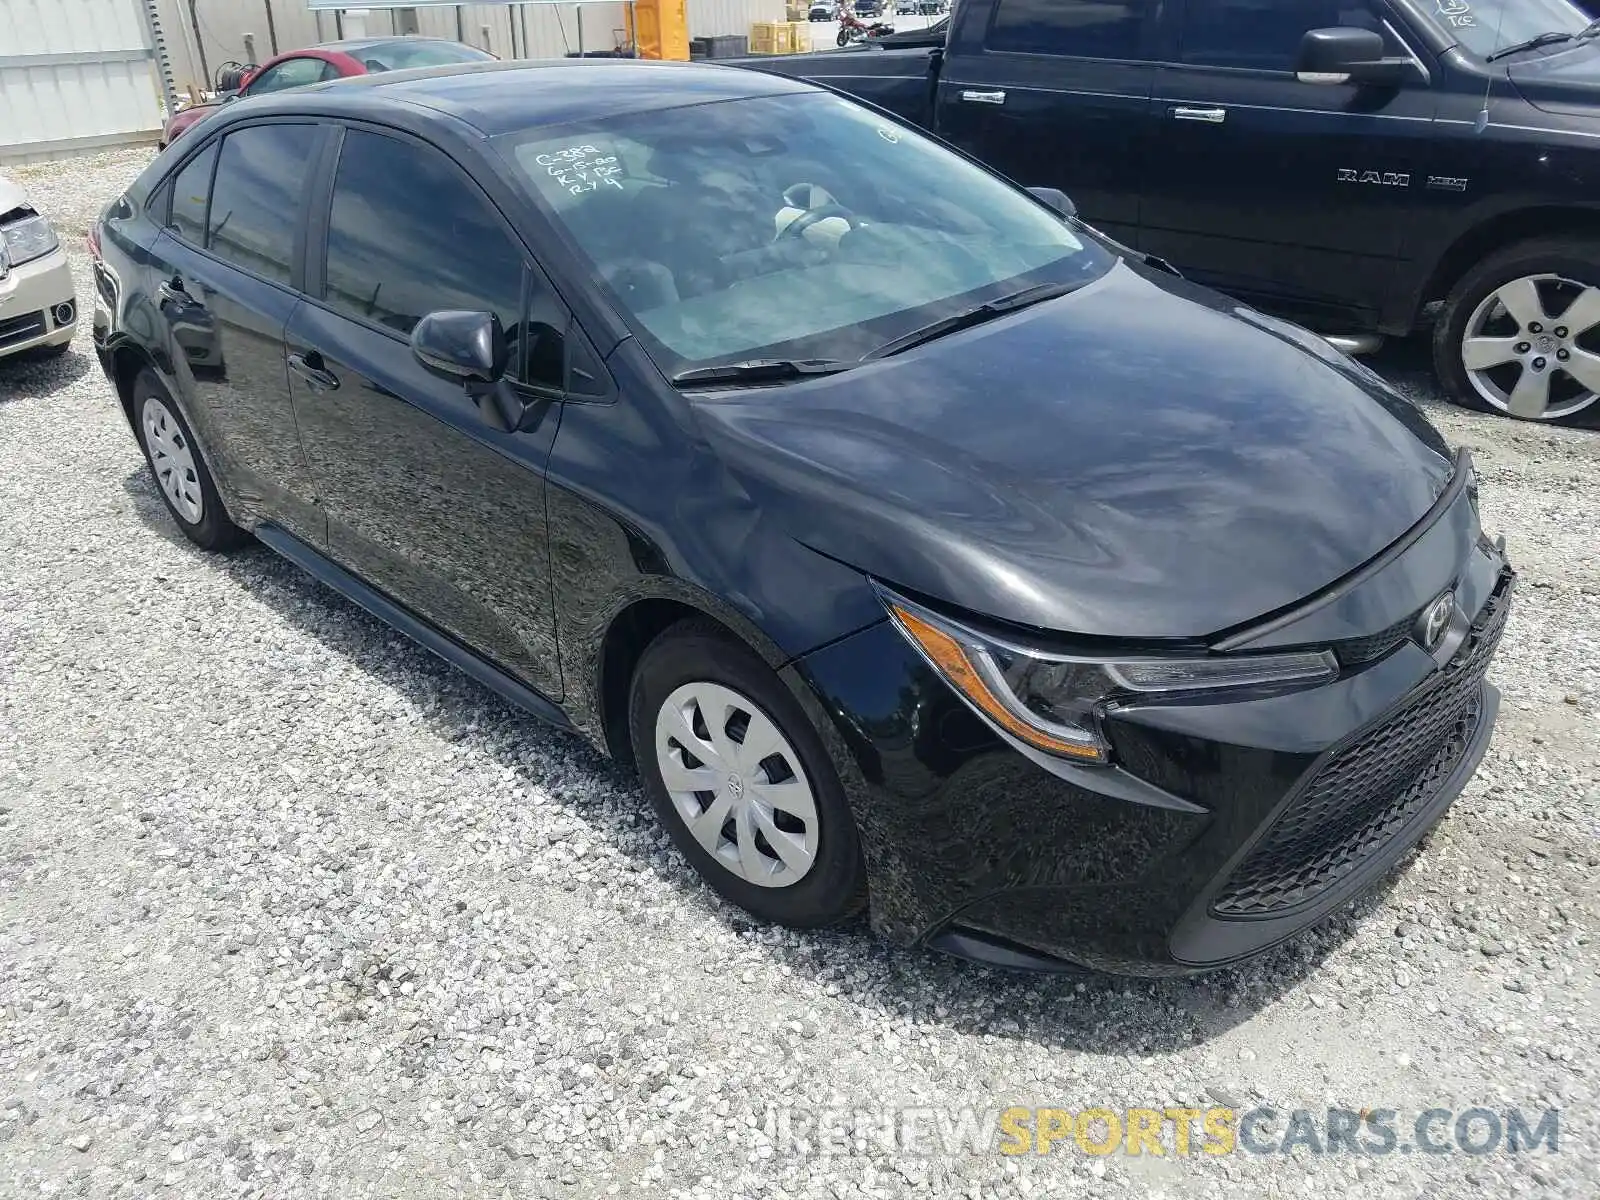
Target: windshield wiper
{"type": "Point", "coordinates": [973, 316]}
{"type": "Point", "coordinates": [1589, 30]}
{"type": "Point", "coordinates": [762, 370]}
{"type": "Point", "coordinates": [1533, 43]}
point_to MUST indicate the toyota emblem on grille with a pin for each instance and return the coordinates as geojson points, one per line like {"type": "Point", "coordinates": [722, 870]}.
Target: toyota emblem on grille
{"type": "Point", "coordinates": [1435, 620]}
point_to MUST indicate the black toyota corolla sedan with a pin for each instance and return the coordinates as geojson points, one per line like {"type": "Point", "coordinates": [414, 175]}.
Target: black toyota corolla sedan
{"type": "Point", "coordinates": [924, 550]}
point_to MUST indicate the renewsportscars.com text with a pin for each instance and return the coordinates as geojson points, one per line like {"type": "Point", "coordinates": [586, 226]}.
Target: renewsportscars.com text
{"type": "Point", "coordinates": [1167, 1131]}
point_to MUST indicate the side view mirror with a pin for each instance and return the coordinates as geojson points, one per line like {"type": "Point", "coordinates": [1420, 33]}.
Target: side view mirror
{"type": "Point", "coordinates": [1056, 199]}
{"type": "Point", "coordinates": [1345, 54]}
{"type": "Point", "coordinates": [471, 347]}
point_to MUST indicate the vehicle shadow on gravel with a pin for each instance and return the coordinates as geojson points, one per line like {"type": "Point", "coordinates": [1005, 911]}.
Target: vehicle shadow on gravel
{"type": "Point", "coordinates": [26, 377]}
{"type": "Point", "coordinates": [1080, 1012]}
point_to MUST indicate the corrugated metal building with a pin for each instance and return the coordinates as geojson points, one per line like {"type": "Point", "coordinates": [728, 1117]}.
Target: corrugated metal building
{"type": "Point", "coordinates": [511, 31]}
{"type": "Point", "coordinates": [74, 76]}
{"type": "Point", "coordinates": [79, 74]}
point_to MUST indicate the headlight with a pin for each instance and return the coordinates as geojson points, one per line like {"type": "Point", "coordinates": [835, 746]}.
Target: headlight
{"type": "Point", "coordinates": [28, 239]}
{"type": "Point", "coordinates": [1053, 702]}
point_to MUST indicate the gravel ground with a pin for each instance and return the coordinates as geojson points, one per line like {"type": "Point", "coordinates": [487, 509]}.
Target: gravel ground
{"type": "Point", "coordinates": [287, 908]}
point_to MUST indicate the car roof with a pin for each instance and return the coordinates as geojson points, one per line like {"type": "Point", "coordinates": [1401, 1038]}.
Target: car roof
{"type": "Point", "coordinates": [502, 97]}
{"type": "Point", "coordinates": [368, 43]}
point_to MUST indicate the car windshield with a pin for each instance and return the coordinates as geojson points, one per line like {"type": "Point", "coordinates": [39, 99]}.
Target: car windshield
{"type": "Point", "coordinates": [799, 226]}
{"type": "Point", "coordinates": [402, 56]}
{"type": "Point", "coordinates": [1484, 26]}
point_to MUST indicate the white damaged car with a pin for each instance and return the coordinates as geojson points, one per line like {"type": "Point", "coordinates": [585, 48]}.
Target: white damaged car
{"type": "Point", "coordinates": [38, 309]}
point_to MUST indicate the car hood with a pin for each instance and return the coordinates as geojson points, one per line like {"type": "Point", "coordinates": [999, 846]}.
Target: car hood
{"type": "Point", "coordinates": [1141, 458]}
{"type": "Point", "coordinates": [11, 195]}
{"type": "Point", "coordinates": [1564, 80]}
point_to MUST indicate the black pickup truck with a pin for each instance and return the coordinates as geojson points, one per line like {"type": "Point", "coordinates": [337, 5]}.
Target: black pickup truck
{"type": "Point", "coordinates": [1365, 167]}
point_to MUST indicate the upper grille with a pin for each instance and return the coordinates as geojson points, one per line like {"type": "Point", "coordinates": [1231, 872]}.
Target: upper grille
{"type": "Point", "coordinates": [1353, 652]}
{"type": "Point", "coordinates": [1366, 792]}
{"type": "Point", "coordinates": [20, 329]}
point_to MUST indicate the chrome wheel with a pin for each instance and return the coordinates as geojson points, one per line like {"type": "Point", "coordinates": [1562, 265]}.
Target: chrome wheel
{"type": "Point", "coordinates": [1532, 349]}
{"type": "Point", "coordinates": [737, 783]}
{"type": "Point", "coordinates": [172, 460]}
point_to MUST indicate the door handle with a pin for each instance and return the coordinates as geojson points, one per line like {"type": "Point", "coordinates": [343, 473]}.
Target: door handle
{"type": "Point", "coordinates": [171, 291]}
{"type": "Point", "coordinates": [310, 368]}
{"type": "Point", "coordinates": [1211, 116]}
{"type": "Point", "coordinates": [972, 97]}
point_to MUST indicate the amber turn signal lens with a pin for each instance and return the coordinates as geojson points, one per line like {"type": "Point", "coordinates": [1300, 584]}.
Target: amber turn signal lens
{"type": "Point", "coordinates": [952, 659]}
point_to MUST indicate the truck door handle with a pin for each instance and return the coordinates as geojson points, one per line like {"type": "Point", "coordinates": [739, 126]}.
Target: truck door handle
{"type": "Point", "coordinates": [309, 367]}
{"type": "Point", "coordinates": [170, 291]}
{"type": "Point", "coordinates": [972, 97]}
{"type": "Point", "coordinates": [1212, 116]}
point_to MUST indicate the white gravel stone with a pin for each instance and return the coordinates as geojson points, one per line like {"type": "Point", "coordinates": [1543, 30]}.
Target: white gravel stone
{"type": "Point", "coordinates": [289, 909]}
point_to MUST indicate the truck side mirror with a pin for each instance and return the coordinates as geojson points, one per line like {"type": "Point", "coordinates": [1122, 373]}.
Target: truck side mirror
{"type": "Point", "coordinates": [1345, 54]}
{"type": "Point", "coordinates": [1056, 199]}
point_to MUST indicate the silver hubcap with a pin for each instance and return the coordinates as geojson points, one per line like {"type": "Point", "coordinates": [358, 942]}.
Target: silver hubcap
{"type": "Point", "coordinates": [1521, 348]}
{"type": "Point", "coordinates": [172, 460]}
{"type": "Point", "coordinates": [737, 784]}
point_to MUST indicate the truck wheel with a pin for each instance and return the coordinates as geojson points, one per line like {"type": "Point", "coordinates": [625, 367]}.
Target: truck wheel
{"type": "Point", "coordinates": [1520, 332]}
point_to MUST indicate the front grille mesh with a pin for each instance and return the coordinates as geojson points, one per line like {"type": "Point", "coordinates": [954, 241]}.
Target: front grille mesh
{"type": "Point", "coordinates": [20, 329]}
{"type": "Point", "coordinates": [1368, 791]}
{"type": "Point", "coordinates": [1353, 652]}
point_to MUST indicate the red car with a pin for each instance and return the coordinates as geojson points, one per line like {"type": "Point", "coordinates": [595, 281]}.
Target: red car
{"type": "Point", "coordinates": [331, 60]}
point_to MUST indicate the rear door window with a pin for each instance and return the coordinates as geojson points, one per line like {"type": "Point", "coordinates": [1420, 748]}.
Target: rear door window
{"type": "Point", "coordinates": [256, 198]}
{"type": "Point", "coordinates": [1109, 29]}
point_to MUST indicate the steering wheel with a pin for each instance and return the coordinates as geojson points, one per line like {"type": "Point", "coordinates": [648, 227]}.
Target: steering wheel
{"type": "Point", "coordinates": [798, 226]}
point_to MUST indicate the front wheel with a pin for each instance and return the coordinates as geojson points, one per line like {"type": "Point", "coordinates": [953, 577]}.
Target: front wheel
{"type": "Point", "coordinates": [843, 39]}
{"type": "Point", "coordinates": [740, 778]}
{"type": "Point", "coordinates": [1519, 334]}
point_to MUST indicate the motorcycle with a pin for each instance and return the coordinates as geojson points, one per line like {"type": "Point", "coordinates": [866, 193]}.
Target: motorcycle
{"type": "Point", "coordinates": [853, 29]}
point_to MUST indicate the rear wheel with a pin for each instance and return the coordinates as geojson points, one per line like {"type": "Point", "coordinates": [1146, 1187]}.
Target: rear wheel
{"type": "Point", "coordinates": [740, 778]}
{"type": "Point", "coordinates": [179, 468]}
{"type": "Point", "coordinates": [1520, 333]}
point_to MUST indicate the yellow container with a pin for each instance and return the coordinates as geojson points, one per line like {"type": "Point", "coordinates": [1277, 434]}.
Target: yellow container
{"type": "Point", "coordinates": [779, 37]}
{"type": "Point", "coordinates": [661, 29]}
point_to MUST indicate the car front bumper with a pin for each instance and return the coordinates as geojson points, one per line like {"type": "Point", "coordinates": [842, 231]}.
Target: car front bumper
{"type": "Point", "coordinates": [37, 304]}
{"type": "Point", "coordinates": [1223, 826]}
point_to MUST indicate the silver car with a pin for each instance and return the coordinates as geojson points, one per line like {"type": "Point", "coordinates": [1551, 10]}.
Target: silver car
{"type": "Point", "coordinates": [38, 308]}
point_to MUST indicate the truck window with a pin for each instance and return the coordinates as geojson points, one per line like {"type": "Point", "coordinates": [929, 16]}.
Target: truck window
{"type": "Point", "coordinates": [1070, 28]}
{"type": "Point", "coordinates": [1264, 35]}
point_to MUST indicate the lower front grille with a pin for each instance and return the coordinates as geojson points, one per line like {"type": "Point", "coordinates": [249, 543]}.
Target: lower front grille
{"type": "Point", "coordinates": [1368, 791]}
{"type": "Point", "coordinates": [21, 329]}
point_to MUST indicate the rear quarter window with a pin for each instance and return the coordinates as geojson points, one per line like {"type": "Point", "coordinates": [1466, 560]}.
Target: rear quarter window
{"type": "Point", "coordinates": [190, 189]}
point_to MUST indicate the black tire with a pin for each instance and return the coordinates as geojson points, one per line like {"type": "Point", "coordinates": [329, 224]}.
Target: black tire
{"type": "Point", "coordinates": [214, 530]}
{"type": "Point", "coordinates": [695, 651]}
{"type": "Point", "coordinates": [1577, 259]}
